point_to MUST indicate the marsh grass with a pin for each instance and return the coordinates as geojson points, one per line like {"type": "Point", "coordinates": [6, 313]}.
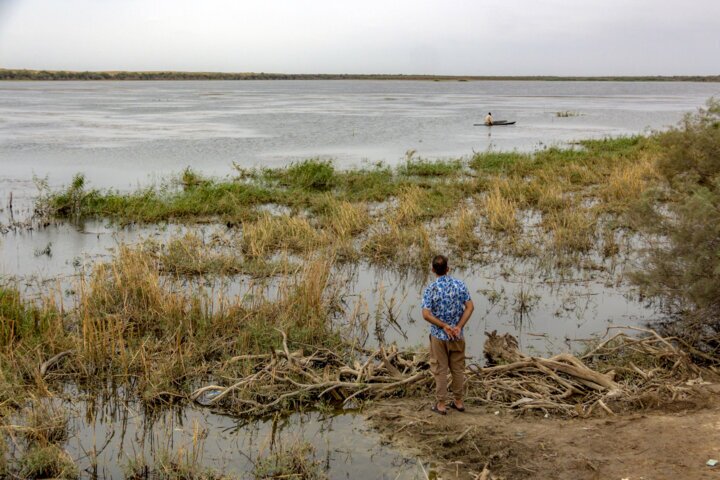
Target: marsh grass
{"type": "Point", "coordinates": [189, 255]}
{"type": "Point", "coordinates": [419, 167]}
{"type": "Point", "coordinates": [185, 463]}
{"type": "Point", "coordinates": [271, 233]}
{"type": "Point", "coordinates": [199, 201]}
{"type": "Point", "coordinates": [157, 334]}
{"type": "Point", "coordinates": [312, 174]}
{"type": "Point", "coordinates": [296, 461]}
{"type": "Point", "coordinates": [627, 183]}
{"type": "Point", "coordinates": [141, 317]}
{"type": "Point", "coordinates": [24, 321]}
{"type": "Point", "coordinates": [393, 244]}
{"type": "Point", "coordinates": [47, 424]}
{"type": "Point", "coordinates": [342, 218]}
{"type": "Point", "coordinates": [572, 230]}
{"type": "Point", "coordinates": [461, 232]}
{"type": "Point", "coordinates": [546, 195]}
{"type": "Point", "coordinates": [499, 211]}
{"type": "Point", "coordinates": [48, 461]}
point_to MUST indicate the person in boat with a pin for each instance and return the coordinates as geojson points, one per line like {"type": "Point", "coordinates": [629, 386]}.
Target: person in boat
{"type": "Point", "coordinates": [447, 306]}
{"type": "Point", "coordinates": [488, 119]}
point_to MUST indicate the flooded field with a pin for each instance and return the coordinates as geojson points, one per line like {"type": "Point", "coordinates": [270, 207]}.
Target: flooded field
{"type": "Point", "coordinates": [546, 309]}
{"type": "Point", "coordinates": [248, 317]}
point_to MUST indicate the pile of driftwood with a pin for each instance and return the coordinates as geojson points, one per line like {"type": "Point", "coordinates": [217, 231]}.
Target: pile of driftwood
{"type": "Point", "coordinates": [285, 380]}
{"type": "Point", "coordinates": [624, 371]}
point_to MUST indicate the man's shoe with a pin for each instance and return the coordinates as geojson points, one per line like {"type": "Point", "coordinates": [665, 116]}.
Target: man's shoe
{"type": "Point", "coordinates": [435, 409]}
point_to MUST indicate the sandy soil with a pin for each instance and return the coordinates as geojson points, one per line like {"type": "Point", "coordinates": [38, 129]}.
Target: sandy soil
{"type": "Point", "coordinates": [674, 443]}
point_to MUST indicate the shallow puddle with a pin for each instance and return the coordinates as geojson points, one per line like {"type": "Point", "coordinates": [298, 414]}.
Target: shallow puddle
{"type": "Point", "coordinates": [104, 439]}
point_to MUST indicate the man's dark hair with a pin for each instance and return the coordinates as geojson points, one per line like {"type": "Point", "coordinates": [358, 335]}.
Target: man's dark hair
{"type": "Point", "coordinates": [489, 113]}
{"type": "Point", "coordinates": [440, 264]}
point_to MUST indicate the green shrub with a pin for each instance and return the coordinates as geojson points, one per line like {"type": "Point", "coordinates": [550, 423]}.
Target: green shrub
{"type": "Point", "coordinates": [692, 152]}
{"type": "Point", "coordinates": [311, 174]}
{"type": "Point", "coordinates": [684, 270]}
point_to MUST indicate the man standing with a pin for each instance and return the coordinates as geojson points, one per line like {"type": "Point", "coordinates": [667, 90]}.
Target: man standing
{"type": "Point", "coordinates": [447, 306]}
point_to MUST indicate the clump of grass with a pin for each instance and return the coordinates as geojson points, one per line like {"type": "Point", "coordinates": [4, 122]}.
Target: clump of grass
{"type": "Point", "coordinates": [566, 114]}
{"type": "Point", "coordinates": [375, 183]}
{"type": "Point", "coordinates": [127, 297]}
{"type": "Point", "coordinates": [416, 204]}
{"type": "Point", "coordinates": [22, 321]}
{"type": "Point", "coordinates": [579, 174]}
{"type": "Point", "coordinates": [610, 246]}
{"type": "Point", "coordinates": [191, 179]}
{"type": "Point", "coordinates": [499, 162]}
{"type": "Point", "coordinates": [500, 212]}
{"type": "Point", "coordinates": [47, 424]}
{"type": "Point", "coordinates": [410, 206]}
{"type": "Point", "coordinates": [398, 245]}
{"type": "Point", "coordinates": [461, 232]}
{"type": "Point", "coordinates": [342, 218]}
{"type": "Point", "coordinates": [296, 461]}
{"type": "Point", "coordinates": [183, 464]}
{"type": "Point", "coordinates": [189, 255]}
{"type": "Point", "coordinates": [418, 167]}
{"type": "Point", "coordinates": [572, 230]}
{"type": "Point", "coordinates": [228, 200]}
{"type": "Point", "coordinates": [271, 233]}
{"type": "Point", "coordinates": [48, 461]}
{"type": "Point", "coordinates": [311, 174]}
{"type": "Point", "coordinates": [546, 195]}
{"type": "Point", "coordinates": [628, 182]}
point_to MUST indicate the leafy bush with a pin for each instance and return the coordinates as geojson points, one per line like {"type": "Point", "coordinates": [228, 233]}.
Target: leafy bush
{"type": "Point", "coordinates": [683, 268]}
{"type": "Point", "coordinates": [692, 152]}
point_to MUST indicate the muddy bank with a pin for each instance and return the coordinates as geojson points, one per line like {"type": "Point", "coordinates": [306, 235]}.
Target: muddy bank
{"type": "Point", "coordinates": [672, 443]}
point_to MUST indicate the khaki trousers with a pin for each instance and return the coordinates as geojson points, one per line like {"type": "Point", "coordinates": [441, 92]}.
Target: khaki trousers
{"type": "Point", "coordinates": [447, 357]}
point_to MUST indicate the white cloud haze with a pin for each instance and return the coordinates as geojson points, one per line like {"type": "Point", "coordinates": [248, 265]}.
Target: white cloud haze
{"type": "Point", "coordinates": [480, 37]}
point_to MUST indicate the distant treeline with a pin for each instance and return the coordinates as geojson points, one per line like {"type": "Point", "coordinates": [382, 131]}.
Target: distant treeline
{"type": "Point", "coordinates": [14, 74]}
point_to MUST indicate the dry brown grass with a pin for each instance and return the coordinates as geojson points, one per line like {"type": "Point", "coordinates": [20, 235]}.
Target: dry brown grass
{"type": "Point", "coordinates": [546, 193]}
{"type": "Point", "coordinates": [344, 219]}
{"type": "Point", "coordinates": [628, 182]}
{"type": "Point", "coordinates": [409, 207]}
{"type": "Point", "coordinates": [500, 212]}
{"type": "Point", "coordinates": [271, 233]}
{"type": "Point", "coordinates": [396, 245]}
{"type": "Point", "coordinates": [461, 232]}
{"type": "Point", "coordinates": [572, 230]}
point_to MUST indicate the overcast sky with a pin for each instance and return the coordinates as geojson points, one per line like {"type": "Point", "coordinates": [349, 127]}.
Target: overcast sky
{"type": "Point", "coordinates": [478, 37]}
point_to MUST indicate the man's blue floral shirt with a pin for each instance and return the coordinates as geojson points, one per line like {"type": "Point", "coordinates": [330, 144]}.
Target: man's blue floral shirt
{"type": "Point", "coordinates": [445, 298]}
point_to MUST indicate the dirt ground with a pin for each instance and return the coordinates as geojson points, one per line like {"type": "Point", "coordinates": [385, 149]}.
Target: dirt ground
{"type": "Point", "coordinates": [672, 443]}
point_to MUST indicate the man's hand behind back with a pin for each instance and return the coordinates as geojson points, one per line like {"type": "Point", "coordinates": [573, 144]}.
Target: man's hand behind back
{"type": "Point", "coordinates": [455, 331]}
{"type": "Point", "coordinates": [450, 331]}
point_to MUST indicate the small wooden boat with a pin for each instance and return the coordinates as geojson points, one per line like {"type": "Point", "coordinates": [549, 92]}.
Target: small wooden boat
{"type": "Point", "coordinates": [495, 123]}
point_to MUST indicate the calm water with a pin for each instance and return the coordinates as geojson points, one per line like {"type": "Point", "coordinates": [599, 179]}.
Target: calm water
{"type": "Point", "coordinates": [121, 133]}
{"type": "Point", "coordinates": [106, 436]}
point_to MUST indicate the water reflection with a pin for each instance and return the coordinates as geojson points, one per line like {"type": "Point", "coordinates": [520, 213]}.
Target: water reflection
{"type": "Point", "coordinates": [110, 432]}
